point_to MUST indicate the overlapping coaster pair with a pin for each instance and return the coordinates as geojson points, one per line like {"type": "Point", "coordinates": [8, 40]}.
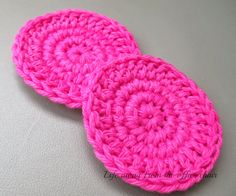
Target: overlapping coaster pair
{"type": "Point", "coordinates": [147, 122]}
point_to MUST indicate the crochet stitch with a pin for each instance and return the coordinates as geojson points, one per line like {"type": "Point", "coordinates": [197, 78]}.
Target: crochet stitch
{"type": "Point", "coordinates": [150, 124]}
{"type": "Point", "coordinates": [54, 53]}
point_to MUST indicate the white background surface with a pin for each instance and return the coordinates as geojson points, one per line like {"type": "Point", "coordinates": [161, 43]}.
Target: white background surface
{"type": "Point", "coordinates": [43, 146]}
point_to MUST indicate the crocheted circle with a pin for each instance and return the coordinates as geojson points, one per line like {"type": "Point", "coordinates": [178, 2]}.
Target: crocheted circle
{"type": "Point", "coordinates": [151, 125]}
{"type": "Point", "coordinates": [54, 53]}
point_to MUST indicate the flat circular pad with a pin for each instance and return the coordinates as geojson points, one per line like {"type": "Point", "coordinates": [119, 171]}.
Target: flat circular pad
{"type": "Point", "coordinates": [54, 53]}
{"type": "Point", "coordinates": [151, 125]}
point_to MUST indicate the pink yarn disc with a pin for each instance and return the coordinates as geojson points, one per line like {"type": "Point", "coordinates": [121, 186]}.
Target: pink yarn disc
{"type": "Point", "coordinates": [54, 53]}
{"type": "Point", "coordinates": [151, 125]}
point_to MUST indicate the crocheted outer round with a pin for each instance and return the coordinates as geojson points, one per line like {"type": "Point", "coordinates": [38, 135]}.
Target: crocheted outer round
{"type": "Point", "coordinates": [151, 125]}
{"type": "Point", "coordinates": [54, 53]}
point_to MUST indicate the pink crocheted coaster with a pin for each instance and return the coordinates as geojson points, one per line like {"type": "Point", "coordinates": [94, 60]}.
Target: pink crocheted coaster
{"type": "Point", "coordinates": [151, 125]}
{"type": "Point", "coordinates": [54, 53]}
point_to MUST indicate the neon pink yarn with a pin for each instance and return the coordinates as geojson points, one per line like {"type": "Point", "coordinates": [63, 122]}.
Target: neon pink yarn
{"type": "Point", "coordinates": [147, 122]}
{"type": "Point", "coordinates": [143, 116]}
{"type": "Point", "coordinates": [54, 53]}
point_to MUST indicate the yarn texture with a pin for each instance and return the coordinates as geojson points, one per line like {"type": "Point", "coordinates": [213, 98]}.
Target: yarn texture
{"type": "Point", "coordinates": [54, 53]}
{"type": "Point", "coordinates": [150, 124]}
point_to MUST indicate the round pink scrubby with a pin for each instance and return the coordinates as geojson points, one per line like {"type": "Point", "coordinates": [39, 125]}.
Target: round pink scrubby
{"type": "Point", "coordinates": [54, 53]}
{"type": "Point", "coordinates": [150, 124]}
